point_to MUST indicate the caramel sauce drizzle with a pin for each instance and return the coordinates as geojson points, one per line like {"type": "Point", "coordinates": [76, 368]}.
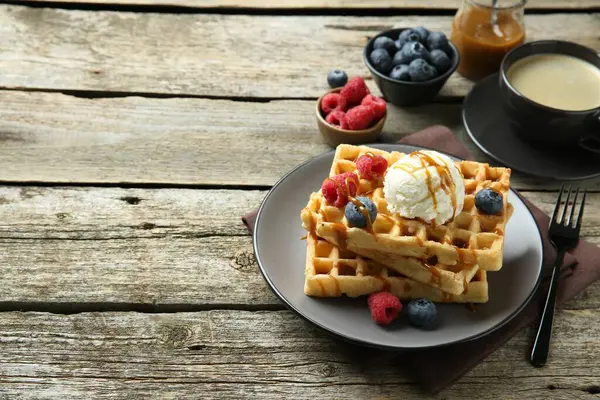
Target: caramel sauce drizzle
{"type": "Point", "coordinates": [446, 297]}
{"type": "Point", "coordinates": [338, 290]}
{"type": "Point", "coordinates": [340, 232]}
{"type": "Point", "coordinates": [365, 213]}
{"type": "Point", "coordinates": [322, 287]}
{"type": "Point", "coordinates": [446, 182]}
{"type": "Point", "coordinates": [435, 273]}
{"type": "Point", "coordinates": [465, 285]}
{"type": "Point", "coordinates": [407, 286]}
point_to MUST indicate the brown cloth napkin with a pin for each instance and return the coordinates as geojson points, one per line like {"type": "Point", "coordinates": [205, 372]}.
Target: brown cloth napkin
{"type": "Point", "coordinates": [435, 369]}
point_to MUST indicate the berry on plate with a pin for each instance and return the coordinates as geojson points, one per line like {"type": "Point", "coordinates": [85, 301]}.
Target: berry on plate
{"type": "Point", "coordinates": [384, 307]}
{"type": "Point", "coordinates": [337, 189]}
{"type": "Point", "coordinates": [333, 101]}
{"type": "Point", "coordinates": [354, 214]}
{"type": "Point", "coordinates": [378, 104]}
{"type": "Point", "coordinates": [439, 60]}
{"type": "Point", "coordinates": [337, 118]}
{"type": "Point", "coordinates": [420, 71]}
{"type": "Point", "coordinates": [360, 117]}
{"type": "Point", "coordinates": [489, 201]}
{"type": "Point", "coordinates": [421, 313]}
{"type": "Point", "coordinates": [381, 60]}
{"type": "Point", "coordinates": [400, 72]}
{"type": "Point", "coordinates": [371, 166]}
{"type": "Point", "coordinates": [354, 91]}
{"type": "Point", "coordinates": [384, 42]}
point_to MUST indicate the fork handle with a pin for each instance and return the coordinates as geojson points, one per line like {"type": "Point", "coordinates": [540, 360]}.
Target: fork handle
{"type": "Point", "coordinates": [541, 346]}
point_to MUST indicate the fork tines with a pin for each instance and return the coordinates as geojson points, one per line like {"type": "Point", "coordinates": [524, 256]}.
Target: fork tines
{"type": "Point", "coordinates": [568, 220]}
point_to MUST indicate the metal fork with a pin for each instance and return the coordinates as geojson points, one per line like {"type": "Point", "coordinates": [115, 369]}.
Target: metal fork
{"type": "Point", "coordinates": [564, 235]}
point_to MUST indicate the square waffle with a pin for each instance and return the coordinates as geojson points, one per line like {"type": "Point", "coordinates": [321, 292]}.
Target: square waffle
{"type": "Point", "coordinates": [470, 238]}
{"type": "Point", "coordinates": [332, 272]}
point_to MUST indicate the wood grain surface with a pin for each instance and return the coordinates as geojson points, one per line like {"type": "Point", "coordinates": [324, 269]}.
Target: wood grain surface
{"type": "Point", "coordinates": [271, 355]}
{"type": "Point", "coordinates": [212, 54]}
{"type": "Point", "coordinates": [164, 126]}
{"type": "Point", "coordinates": [52, 137]}
{"type": "Point", "coordinates": [175, 249]}
{"type": "Point", "coordinates": [329, 4]}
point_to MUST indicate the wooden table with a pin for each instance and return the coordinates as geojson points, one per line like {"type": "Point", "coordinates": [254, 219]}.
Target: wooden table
{"type": "Point", "coordinates": [133, 136]}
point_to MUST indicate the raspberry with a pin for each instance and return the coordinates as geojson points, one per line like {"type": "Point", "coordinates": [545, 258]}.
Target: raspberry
{"type": "Point", "coordinates": [336, 189]}
{"type": "Point", "coordinates": [377, 103]}
{"type": "Point", "coordinates": [354, 91]}
{"type": "Point", "coordinates": [337, 118]}
{"type": "Point", "coordinates": [360, 117]}
{"type": "Point", "coordinates": [384, 307]}
{"type": "Point", "coordinates": [333, 101]}
{"type": "Point", "coordinates": [370, 166]}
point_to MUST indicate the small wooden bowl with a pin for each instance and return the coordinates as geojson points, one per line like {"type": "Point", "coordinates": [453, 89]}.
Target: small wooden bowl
{"type": "Point", "coordinates": [334, 136]}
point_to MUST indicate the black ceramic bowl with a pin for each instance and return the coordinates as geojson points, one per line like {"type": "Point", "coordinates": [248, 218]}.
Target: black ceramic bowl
{"type": "Point", "coordinates": [403, 93]}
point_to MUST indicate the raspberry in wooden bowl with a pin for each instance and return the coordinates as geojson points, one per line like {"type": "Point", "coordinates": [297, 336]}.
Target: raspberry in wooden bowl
{"type": "Point", "coordinates": [350, 114]}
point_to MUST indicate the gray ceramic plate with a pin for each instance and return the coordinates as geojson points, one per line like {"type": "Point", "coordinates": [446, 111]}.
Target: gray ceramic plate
{"type": "Point", "coordinates": [281, 256]}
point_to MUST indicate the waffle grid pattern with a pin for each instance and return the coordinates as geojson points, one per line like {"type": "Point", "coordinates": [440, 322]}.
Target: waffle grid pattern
{"type": "Point", "coordinates": [332, 272]}
{"type": "Point", "coordinates": [471, 238]}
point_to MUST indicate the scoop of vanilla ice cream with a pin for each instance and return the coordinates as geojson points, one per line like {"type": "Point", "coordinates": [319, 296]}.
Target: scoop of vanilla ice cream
{"type": "Point", "coordinates": [425, 184]}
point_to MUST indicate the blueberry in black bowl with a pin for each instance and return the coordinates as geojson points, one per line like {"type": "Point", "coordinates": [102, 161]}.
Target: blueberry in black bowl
{"type": "Point", "coordinates": [397, 86]}
{"type": "Point", "coordinates": [336, 78]}
{"type": "Point", "coordinates": [381, 61]}
{"type": "Point", "coordinates": [407, 35]}
{"type": "Point", "coordinates": [411, 51]}
{"type": "Point", "coordinates": [386, 43]}
{"type": "Point", "coordinates": [420, 71]}
{"type": "Point", "coordinates": [439, 60]}
{"type": "Point", "coordinates": [489, 201]}
{"type": "Point", "coordinates": [400, 72]}
{"type": "Point", "coordinates": [423, 33]}
{"type": "Point", "coordinates": [437, 40]}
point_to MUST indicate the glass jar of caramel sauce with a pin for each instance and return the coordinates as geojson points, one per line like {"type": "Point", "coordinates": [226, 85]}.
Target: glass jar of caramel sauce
{"type": "Point", "coordinates": [484, 31]}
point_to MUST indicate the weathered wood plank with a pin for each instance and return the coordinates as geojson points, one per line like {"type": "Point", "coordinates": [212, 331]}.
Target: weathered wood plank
{"type": "Point", "coordinates": [211, 54]}
{"type": "Point", "coordinates": [321, 4]}
{"type": "Point", "coordinates": [236, 354]}
{"type": "Point", "coordinates": [60, 138]}
{"type": "Point", "coordinates": [106, 248]}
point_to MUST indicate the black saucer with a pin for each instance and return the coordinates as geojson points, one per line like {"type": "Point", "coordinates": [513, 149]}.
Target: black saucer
{"type": "Point", "coordinates": [489, 129]}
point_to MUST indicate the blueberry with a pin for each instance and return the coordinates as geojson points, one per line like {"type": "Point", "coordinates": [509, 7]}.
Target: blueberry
{"type": "Point", "coordinates": [421, 313]}
{"type": "Point", "coordinates": [337, 78]}
{"type": "Point", "coordinates": [398, 44]}
{"type": "Point", "coordinates": [423, 33]}
{"type": "Point", "coordinates": [408, 35]}
{"type": "Point", "coordinates": [400, 72]}
{"type": "Point", "coordinates": [439, 60]}
{"type": "Point", "coordinates": [420, 71]}
{"type": "Point", "coordinates": [489, 201]}
{"type": "Point", "coordinates": [437, 40]}
{"type": "Point", "coordinates": [381, 60]}
{"type": "Point", "coordinates": [411, 51]}
{"type": "Point", "coordinates": [354, 215]}
{"type": "Point", "coordinates": [384, 42]}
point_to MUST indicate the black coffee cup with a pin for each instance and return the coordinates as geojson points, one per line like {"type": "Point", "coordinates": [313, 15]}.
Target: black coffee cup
{"type": "Point", "coordinates": [543, 126]}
